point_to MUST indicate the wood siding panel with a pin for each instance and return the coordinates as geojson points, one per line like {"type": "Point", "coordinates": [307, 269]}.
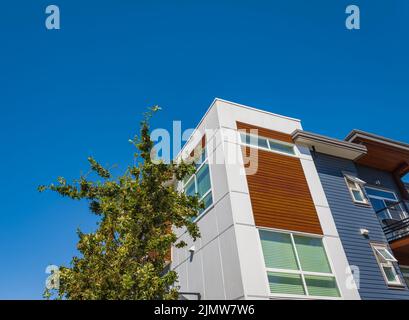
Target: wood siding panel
{"type": "Point", "coordinates": [383, 157]}
{"type": "Point", "coordinates": [266, 132]}
{"type": "Point", "coordinates": [279, 193]}
{"type": "Point", "coordinates": [401, 250]}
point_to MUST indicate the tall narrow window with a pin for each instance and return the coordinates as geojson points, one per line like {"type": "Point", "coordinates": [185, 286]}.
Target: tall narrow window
{"type": "Point", "coordinates": [297, 265]}
{"type": "Point", "coordinates": [199, 183]}
{"type": "Point", "coordinates": [355, 186]}
{"type": "Point", "coordinates": [385, 260]}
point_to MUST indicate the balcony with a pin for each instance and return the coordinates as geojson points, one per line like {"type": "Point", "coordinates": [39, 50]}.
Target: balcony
{"type": "Point", "coordinates": [395, 224]}
{"type": "Point", "coordinates": [395, 220]}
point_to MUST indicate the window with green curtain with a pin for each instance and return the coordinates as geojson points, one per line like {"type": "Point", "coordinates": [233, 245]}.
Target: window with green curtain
{"type": "Point", "coordinates": [311, 254]}
{"type": "Point", "coordinates": [203, 180]}
{"type": "Point", "coordinates": [321, 286]}
{"type": "Point", "coordinates": [278, 250]}
{"type": "Point", "coordinates": [285, 276]}
{"type": "Point", "coordinates": [286, 283]}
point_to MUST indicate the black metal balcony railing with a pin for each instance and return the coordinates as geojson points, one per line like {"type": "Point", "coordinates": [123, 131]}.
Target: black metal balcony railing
{"type": "Point", "coordinates": [397, 226]}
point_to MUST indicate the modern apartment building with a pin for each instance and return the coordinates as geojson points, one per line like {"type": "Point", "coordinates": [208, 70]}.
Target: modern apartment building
{"type": "Point", "coordinates": [292, 214]}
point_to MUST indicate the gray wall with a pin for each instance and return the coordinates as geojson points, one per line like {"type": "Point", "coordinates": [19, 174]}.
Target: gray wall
{"type": "Point", "coordinates": [349, 218]}
{"type": "Point", "coordinates": [371, 176]}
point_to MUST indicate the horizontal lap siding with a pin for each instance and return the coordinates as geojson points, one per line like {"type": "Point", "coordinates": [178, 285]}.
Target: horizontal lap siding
{"type": "Point", "coordinates": [279, 193]}
{"type": "Point", "coordinates": [386, 180]}
{"type": "Point", "coordinates": [373, 176]}
{"type": "Point", "coordinates": [349, 218]}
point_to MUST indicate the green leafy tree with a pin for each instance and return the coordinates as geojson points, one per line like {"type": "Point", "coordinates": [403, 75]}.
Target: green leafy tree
{"type": "Point", "coordinates": [126, 257]}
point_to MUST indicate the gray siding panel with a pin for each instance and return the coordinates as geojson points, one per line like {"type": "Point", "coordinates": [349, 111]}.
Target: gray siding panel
{"type": "Point", "coordinates": [372, 176]}
{"type": "Point", "coordinates": [349, 218]}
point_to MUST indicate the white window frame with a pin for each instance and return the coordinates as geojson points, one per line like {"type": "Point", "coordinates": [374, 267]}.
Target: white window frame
{"type": "Point", "coordinates": [383, 199]}
{"type": "Point", "coordinates": [269, 149]}
{"type": "Point", "coordinates": [388, 257]}
{"type": "Point", "coordinates": [383, 190]}
{"type": "Point", "coordinates": [300, 271]}
{"type": "Point", "coordinates": [358, 186]}
{"type": "Point", "coordinates": [386, 263]}
{"type": "Point", "coordinates": [210, 191]}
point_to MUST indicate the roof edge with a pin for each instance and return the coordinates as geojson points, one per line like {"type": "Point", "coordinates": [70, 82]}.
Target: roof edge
{"type": "Point", "coordinates": [324, 139]}
{"type": "Point", "coordinates": [255, 109]}
{"type": "Point", "coordinates": [374, 137]}
{"type": "Point", "coordinates": [216, 99]}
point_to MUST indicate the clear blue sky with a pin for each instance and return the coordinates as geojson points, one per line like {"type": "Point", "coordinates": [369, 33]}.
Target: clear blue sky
{"type": "Point", "coordinates": [81, 90]}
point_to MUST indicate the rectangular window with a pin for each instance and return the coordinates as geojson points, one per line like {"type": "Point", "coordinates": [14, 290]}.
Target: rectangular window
{"type": "Point", "coordinates": [287, 283]}
{"type": "Point", "coordinates": [278, 250]}
{"type": "Point", "coordinates": [385, 260]}
{"type": "Point", "coordinates": [265, 143]}
{"type": "Point", "coordinates": [385, 254]}
{"type": "Point", "coordinates": [405, 273]}
{"type": "Point", "coordinates": [254, 140]}
{"type": "Point", "coordinates": [201, 158]}
{"type": "Point", "coordinates": [280, 147]}
{"type": "Point", "coordinates": [386, 205]}
{"type": "Point", "coordinates": [297, 265]}
{"type": "Point", "coordinates": [199, 183]}
{"type": "Point", "coordinates": [384, 194]}
{"type": "Point", "coordinates": [321, 286]}
{"type": "Point", "coordinates": [312, 254]}
{"type": "Point", "coordinates": [355, 188]}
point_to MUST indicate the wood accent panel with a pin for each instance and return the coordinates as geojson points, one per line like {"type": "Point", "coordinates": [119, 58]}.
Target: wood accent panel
{"type": "Point", "coordinates": [202, 144]}
{"type": "Point", "coordinates": [402, 243]}
{"type": "Point", "coordinates": [387, 158]}
{"type": "Point", "coordinates": [383, 157]}
{"type": "Point", "coordinates": [400, 250]}
{"type": "Point", "coordinates": [279, 193]}
{"type": "Point", "coordinates": [272, 134]}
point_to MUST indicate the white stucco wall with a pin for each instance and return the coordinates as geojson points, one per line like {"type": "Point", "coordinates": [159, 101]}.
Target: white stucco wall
{"type": "Point", "coordinates": [214, 268]}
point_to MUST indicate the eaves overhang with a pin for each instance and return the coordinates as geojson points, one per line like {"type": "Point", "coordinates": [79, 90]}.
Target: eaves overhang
{"type": "Point", "coordinates": [327, 145]}
{"type": "Point", "coordinates": [383, 153]}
